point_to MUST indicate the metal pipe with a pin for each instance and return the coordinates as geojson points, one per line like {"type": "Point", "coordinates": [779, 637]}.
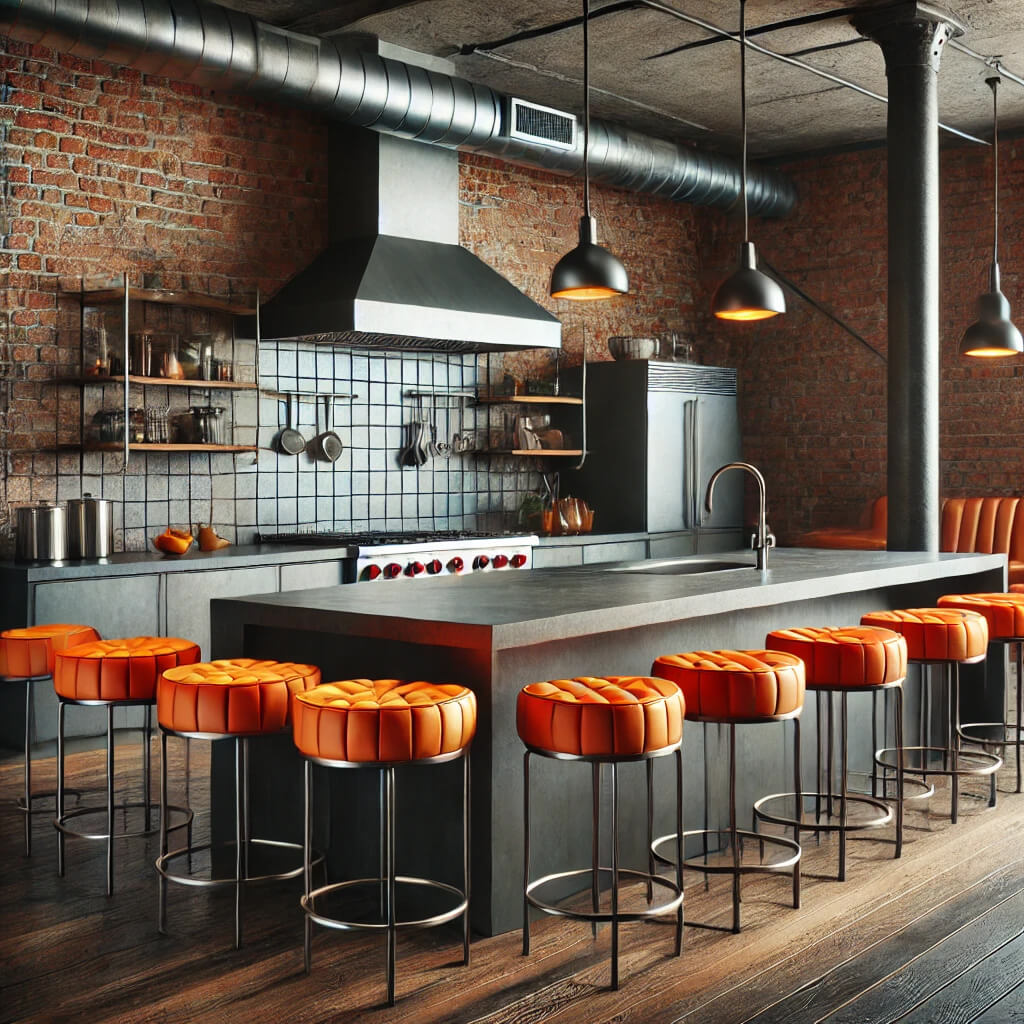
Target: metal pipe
{"type": "Point", "coordinates": [202, 43]}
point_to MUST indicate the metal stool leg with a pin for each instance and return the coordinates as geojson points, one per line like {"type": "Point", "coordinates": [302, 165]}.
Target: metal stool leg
{"type": "Point", "coordinates": [526, 852]}
{"type": "Point", "coordinates": [28, 767]}
{"type": "Point", "coordinates": [110, 799]}
{"type": "Point", "coordinates": [843, 782]}
{"type": "Point", "coordinates": [239, 837]}
{"type": "Point", "coordinates": [952, 696]}
{"type": "Point", "coordinates": [733, 832]}
{"type": "Point", "coordinates": [595, 842]}
{"type": "Point", "coordinates": [1020, 695]}
{"type": "Point", "coordinates": [615, 875]}
{"type": "Point", "coordinates": [147, 785]}
{"type": "Point", "coordinates": [797, 788]}
{"type": "Point", "coordinates": [679, 849]}
{"type": "Point", "coordinates": [60, 786]}
{"type": "Point", "coordinates": [899, 770]}
{"type": "Point", "coordinates": [392, 913]}
{"type": "Point", "coordinates": [307, 867]}
{"type": "Point", "coordinates": [161, 920]}
{"type": "Point", "coordinates": [465, 858]}
{"type": "Point", "coordinates": [650, 829]}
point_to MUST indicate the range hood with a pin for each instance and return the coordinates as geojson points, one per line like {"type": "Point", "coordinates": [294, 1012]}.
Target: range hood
{"type": "Point", "coordinates": [393, 274]}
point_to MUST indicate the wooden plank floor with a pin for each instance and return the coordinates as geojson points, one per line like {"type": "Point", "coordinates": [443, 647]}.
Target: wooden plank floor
{"type": "Point", "coordinates": [935, 936]}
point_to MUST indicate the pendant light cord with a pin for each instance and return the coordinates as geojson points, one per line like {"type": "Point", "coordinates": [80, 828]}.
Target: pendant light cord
{"type": "Point", "coordinates": [586, 108]}
{"type": "Point", "coordinates": [743, 116]}
{"type": "Point", "coordinates": [994, 86]}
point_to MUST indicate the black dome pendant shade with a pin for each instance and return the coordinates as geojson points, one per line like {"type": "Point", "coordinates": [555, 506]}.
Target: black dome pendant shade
{"type": "Point", "coordinates": [993, 335]}
{"type": "Point", "coordinates": [589, 271]}
{"type": "Point", "coordinates": [747, 294]}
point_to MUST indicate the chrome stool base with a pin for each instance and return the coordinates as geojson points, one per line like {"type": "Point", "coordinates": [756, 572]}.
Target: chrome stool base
{"type": "Point", "coordinates": [389, 881]}
{"type": "Point", "coordinates": [242, 843]}
{"type": "Point", "coordinates": [615, 873]}
{"type": "Point", "coordinates": [60, 821]}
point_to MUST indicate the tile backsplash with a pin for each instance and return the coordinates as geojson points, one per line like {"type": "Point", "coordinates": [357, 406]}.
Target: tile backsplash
{"type": "Point", "coordinates": [379, 398]}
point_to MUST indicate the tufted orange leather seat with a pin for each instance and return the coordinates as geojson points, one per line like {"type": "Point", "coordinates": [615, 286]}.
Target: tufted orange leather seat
{"type": "Point", "coordinates": [124, 669]}
{"type": "Point", "coordinates": [736, 686]}
{"type": "Point", "coordinates": [617, 716]}
{"type": "Point", "coordinates": [846, 655]}
{"type": "Point", "coordinates": [241, 696]}
{"type": "Point", "coordinates": [1003, 612]}
{"type": "Point", "coordinates": [383, 720]}
{"type": "Point", "coordinates": [936, 634]}
{"type": "Point", "coordinates": [29, 651]}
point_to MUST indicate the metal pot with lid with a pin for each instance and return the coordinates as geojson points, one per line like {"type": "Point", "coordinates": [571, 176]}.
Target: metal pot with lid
{"type": "Point", "coordinates": [90, 527]}
{"type": "Point", "coordinates": [41, 532]}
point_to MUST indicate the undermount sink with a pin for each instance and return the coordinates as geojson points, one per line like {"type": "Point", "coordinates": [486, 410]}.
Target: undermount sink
{"type": "Point", "coordinates": [683, 566]}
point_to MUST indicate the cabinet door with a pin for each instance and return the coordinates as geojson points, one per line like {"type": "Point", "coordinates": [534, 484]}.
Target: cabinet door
{"type": "Point", "coordinates": [717, 442]}
{"type": "Point", "coordinates": [666, 462]}
{"type": "Point", "coordinates": [556, 555]}
{"type": "Point", "coordinates": [306, 575]}
{"type": "Point", "coordinates": [189, 594]}
{"type": "Point", "coordinates": [627, 551]}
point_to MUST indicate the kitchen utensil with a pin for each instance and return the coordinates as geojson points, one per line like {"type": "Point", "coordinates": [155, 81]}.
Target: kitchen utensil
{"type": "Point", "coordinates": [207, 424]}
{"type": "Point", "coordinates": [41, 532]}
{"type": "Point", "coordinates": [327, 445]}
{"type": "Point", "coordinates": [632, 348]}
{"type": "Point", "coordinates": [290, 441]}
{"type": "Point", "coordinates": [90, 527]}
{"type": "Point", "coordinates": [140, 355]}
{"type": "Point", "coordinates": [204, 343]}
{"type": "Point", "coordinates": [157, 425]}
{"type": "Point", "coordinates": [170, 363]}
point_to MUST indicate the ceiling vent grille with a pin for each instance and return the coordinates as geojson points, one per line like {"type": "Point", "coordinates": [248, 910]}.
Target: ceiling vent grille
{"type": "Point", "coordinates": [543, 125]}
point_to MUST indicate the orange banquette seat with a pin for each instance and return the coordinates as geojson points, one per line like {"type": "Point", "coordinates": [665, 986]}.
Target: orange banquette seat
{"type": "Point", "coordinates": [983, 525]}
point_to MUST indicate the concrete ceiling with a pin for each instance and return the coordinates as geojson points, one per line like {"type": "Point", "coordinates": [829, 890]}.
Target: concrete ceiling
{"type": "Point", "coordinates": [533, 49]}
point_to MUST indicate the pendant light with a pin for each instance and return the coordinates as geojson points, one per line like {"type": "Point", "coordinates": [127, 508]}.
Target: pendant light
{"type": "Point", "coordinates": [747, 294]}
{"type": "Point", "coordinates": [588, 271]}
{"type": "Point", "coordinates": [992, 335]}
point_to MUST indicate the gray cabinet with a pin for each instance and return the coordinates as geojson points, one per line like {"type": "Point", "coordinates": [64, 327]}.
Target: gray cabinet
{"type": "Point", "coordinates": [616, 552]}
{"type": "Point", "coordinates": [189, 594]}
{"type": "Point", "coordinates": [310, 574]}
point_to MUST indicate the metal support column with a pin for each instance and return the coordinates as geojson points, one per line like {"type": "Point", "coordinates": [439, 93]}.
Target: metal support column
{"type": "Point", "coordinates": [912, 36]}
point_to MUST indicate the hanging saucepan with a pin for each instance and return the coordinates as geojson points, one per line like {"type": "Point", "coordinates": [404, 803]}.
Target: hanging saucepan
{"type": "Point", "coordinates": [290, 441]}
{"type": "Point", "coordinates": [327, 445]}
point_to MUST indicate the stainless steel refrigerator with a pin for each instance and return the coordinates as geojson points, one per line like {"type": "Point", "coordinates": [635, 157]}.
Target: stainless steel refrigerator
{"type": "Point", "coordinates": [656, 431]}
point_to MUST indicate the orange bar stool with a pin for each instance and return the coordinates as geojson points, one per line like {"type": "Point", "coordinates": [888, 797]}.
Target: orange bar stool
{"type": "Point", "coordinates": [740, 688]}
{"type": "Point", "coordinates": [26, 656]}
{"type": "Point", "coordinates": [947, 638]}
{"type": "Point", "coordinates": [843, 660]}
{"type": "Point", "coordinates": [230, 699]}
{"type": "Point", "coordinates": [1004, 614]}
{"type": "Point", "coordinates": [113, 674]}
{"type": "Point", "coordinates": [384, 724]}
{"type": "Point", "coordinates": [613, 721]}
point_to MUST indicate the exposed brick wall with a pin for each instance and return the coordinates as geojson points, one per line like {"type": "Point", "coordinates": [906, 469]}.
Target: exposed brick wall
{"type": "Point", "coordinates": [813, 399]}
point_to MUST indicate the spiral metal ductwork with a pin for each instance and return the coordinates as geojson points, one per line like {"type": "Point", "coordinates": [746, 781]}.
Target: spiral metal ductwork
{"type": "Point", "coordinates": [213, 46]}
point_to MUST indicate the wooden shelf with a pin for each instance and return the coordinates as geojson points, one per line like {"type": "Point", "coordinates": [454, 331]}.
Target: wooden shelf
{"type": "Point", "coordinates": [529, 400]}
{"type": "Point", "coordinates": [192, 300]}
{"type": "Point", "coordinates": [209, 385]}
{"type": "Point", "coordinates": [542, 452]}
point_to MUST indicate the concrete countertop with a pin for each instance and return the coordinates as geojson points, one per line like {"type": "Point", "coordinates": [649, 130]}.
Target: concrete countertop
{"type": "Point", "coordinates": [518, 609]}
{"type": "Point", "coordinates": [133, 563]}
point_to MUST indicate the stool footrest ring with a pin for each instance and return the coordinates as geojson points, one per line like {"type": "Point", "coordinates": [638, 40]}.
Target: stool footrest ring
{"type": "Point", "coordinates": [991, 741]}
{"type": "Point", "coordinates": [969, 762]}
{"type": "Point", "coordinates": [655, 910]}
{"type": "Point", "coordinates": [815, 823]}
{"type": "Point", "coordinates": [308, 903]}
{"type": "Point", "coordinates": [60, 824]}
{"type": "Point", "coordinates": [163, 862]}
{"type": "Point", "coordinates": [728, 869]}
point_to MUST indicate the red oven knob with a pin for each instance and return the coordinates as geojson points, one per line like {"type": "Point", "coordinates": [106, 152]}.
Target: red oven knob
{"type": "Point", "coordinates": [456, 564]}
{"type": "Point", "coordinates": [518, 561]}
{"type": "Point", "coordinates": [371, 572]}
{"type": "Point", "coordinates": [482, 561]}
{"type": "Point", "coordinates": [414, 568]}
{"type": "Point", "coordinates": [434, 566]}
{"type": "Point", "coordinates": [500, 561]}
{"type": "Point", "coordinates": [392, 570]}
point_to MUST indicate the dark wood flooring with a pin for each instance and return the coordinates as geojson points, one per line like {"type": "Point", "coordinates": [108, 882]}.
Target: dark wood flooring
{"type": "Point", "coordinates": [933, 937]}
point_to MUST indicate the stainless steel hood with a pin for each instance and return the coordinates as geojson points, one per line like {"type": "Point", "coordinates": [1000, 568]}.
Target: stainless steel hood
{"type": "Point", "coordinates": [394, 275]}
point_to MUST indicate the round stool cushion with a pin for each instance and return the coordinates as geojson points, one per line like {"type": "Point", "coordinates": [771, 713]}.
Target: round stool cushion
{"type": "Point", "coordinates": [935, 634]}
{"type": "Point", "coordinates": [1004, 613]}
{"type": "Point", "coordinates": [844, 655]}
{"type": "Point", "coordinates": [29, 651]}
{"type": "Point", "coordinates": [736, 686]}
{"type": "Point", "coordinates": [236, 697]}
{"type": "Point", "coordinates": [125, 669]}
{"type": "Point", "coordinates": [617, 716]}
{"type": "Point", "coordinates": [383, 720]}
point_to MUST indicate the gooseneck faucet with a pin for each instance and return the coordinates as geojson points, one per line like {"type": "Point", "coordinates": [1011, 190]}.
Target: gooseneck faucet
{"type": "Point", "coordinates": [764, 538]}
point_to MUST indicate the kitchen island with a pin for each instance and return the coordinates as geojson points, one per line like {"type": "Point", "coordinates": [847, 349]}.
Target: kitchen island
{"type": "Point", "coordinates": [497, 631]}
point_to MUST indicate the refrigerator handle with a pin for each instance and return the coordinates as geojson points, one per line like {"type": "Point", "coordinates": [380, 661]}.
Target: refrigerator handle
{"type": "Point", "coordinates": [688, 504]}
{"type": "Point", "coordinates": [698, 505]}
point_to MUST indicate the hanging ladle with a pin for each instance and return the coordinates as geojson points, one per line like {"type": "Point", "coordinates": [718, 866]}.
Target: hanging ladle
{"type": "Point", "coordinates": [290, 441]}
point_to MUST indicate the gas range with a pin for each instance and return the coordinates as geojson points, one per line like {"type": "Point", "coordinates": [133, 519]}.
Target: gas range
{"type": "Point", "coordinates": [419, 554]}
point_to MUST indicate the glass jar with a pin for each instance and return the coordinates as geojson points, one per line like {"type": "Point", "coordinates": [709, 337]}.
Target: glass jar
{"type": "Point", "coordinates": [207, 424]}
{"type": "Point", "coordinates": [157, 425]}
{"type": "Point", "coordinates": [136, 426]}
